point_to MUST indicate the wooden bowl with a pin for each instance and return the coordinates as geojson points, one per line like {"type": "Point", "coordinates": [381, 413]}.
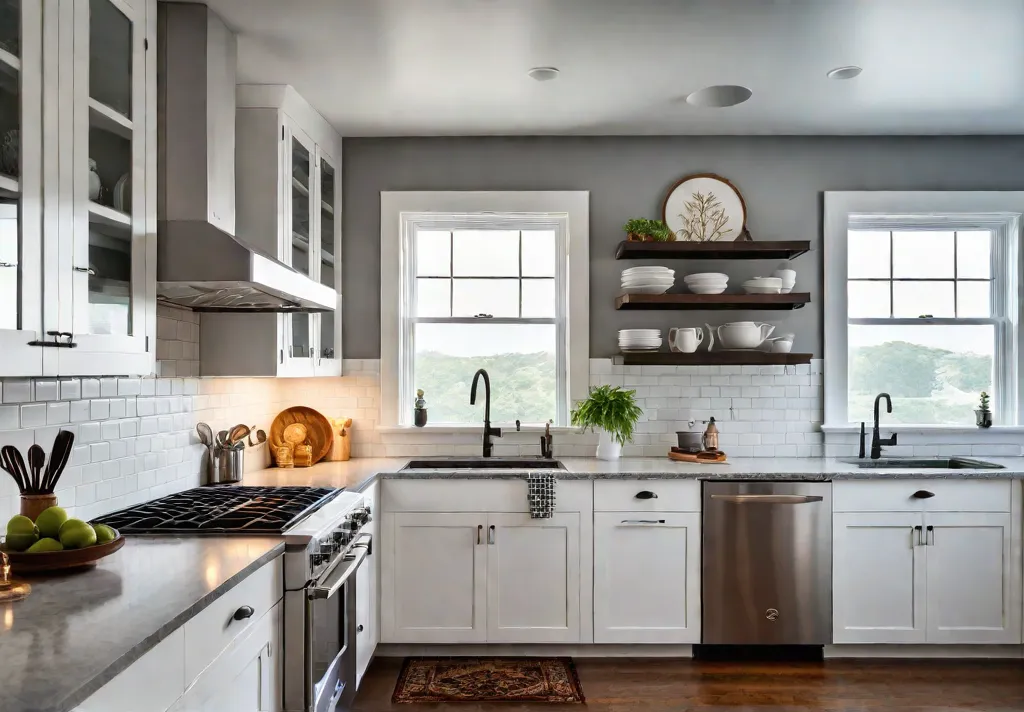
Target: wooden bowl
{"type": "Point", "coordinates": [62, 560]}
{"type": "Point", "coordinates": [318, 429]}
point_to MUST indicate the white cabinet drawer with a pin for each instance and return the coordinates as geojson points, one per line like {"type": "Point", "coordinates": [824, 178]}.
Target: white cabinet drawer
{"type": "Point", "coordinates": [476, 494]}
{"type": "Point", "coordinates": [647, 496]}
{"type": "Point", "coordinates": [150, 684]}
{"type": "Point", "coordinates": [213, 629]}
{"type": "Point", "coordinates": [898, 496]}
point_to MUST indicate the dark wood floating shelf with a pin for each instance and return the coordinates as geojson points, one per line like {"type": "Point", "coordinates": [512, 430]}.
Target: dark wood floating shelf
{"type": "Point", "coordinates": [713, 358]}
{"type": "Point", "coordinates": [680, 250]}
{"type": "Point", "coordinates": [793, 300]}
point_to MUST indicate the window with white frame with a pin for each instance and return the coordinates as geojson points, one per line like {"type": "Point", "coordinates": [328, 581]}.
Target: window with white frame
{"type": "Point", "coordinates": [485, 292]}
{"type": "Point", "coordinates": [927, 311]}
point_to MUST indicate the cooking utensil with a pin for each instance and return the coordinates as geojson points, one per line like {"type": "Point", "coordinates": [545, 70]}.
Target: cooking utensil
{"type": "Point", "coordinates": [261, 437]}
{"type": "Point", "coordinates": [205, 434]}
{"type": "Point", "coordinates": [10, 469]}
{"type": "Point", "coordinates": [222, 438]}
{"type": "Point", "coordinates": [59, 456]}
{"type": "Point", "coordinates": [238, 433]}
{"type": "Point", "coordinates": [16, 463]}
{"type": "Point", "coordinates": [36, 462]}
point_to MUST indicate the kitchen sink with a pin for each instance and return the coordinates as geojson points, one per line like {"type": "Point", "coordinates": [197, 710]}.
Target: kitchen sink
{"type": "Point", "coordinates": [484, 463]}
{"type": "Point", "coordinates": [928, 463]}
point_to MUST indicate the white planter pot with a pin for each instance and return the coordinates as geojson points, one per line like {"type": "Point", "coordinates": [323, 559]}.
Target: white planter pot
{"type": "Point", "coordinates": [608, 448]}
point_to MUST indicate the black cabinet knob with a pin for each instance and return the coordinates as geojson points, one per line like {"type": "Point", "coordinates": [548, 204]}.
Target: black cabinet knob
{"type": "Point", "coordinates": [646, 494]}
{"type": "Point", "coordinates": [243, 613]}
{"type": "Point", "coordinates": [359, 629]}
{"type": "Point", "coordinates": [923, 494]}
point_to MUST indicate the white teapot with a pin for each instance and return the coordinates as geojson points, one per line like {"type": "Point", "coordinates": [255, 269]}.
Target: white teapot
{"type": "Point", "coordinates": [739, 334]}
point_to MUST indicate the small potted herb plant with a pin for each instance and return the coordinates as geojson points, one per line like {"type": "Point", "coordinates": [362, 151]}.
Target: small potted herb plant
{"type": "Point", "coordinates": [613, 413]}
{"type": "Point", "coordinates": [983, 413]}
{"type": "Point", "coordinates": [644, 230]}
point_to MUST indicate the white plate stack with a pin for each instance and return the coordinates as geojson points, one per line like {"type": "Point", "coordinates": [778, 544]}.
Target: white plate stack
{"type": "Point", "coordinates": [647, 280]}
{"type": "Point", "coordinates": [639, 340]}
{"type": "Point", "coordinates": [706, 282]}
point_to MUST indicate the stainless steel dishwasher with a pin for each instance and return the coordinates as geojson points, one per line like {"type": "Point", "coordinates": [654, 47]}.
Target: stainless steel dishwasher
{"type": "Point", "coordinates": [767, 563]}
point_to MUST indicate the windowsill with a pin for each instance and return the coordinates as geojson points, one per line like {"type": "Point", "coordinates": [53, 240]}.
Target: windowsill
{"type": "Point", "coordinates": [506, 428]}
{"type": "Point", "coordinates": [940, 429]}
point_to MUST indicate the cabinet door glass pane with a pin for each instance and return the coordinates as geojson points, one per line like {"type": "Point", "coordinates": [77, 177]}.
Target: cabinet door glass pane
{"type": "Point", "coordinates": [328, 252]}
{"type": "Point", "coordinates": [302, 219]}
{"type": "Point", "coordinates": [111, 138]}
{"type": "Point", "coordinates": [10, 162]}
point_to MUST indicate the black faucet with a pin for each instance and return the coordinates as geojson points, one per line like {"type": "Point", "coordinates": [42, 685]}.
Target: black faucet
{"type": "Point", "coordinates": [488, 430]}
{"type": "Point", "coordinates": [877, 441]}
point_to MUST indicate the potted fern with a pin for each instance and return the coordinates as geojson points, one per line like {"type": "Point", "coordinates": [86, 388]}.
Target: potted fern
{"type": "Point", "coordinates": [645, 230]}
{"type": "Point", "coordinates": [613, 413]}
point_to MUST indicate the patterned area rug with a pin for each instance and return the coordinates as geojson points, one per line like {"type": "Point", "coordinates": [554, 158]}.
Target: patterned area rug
{"type": "Point", "coordinates": [488, 679]}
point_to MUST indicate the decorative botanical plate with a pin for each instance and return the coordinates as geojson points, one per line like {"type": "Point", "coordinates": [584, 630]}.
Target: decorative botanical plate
{"type": "Point", "coordinates": [705, 208]}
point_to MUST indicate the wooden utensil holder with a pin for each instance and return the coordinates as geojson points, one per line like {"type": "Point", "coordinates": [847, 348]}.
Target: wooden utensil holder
{"type": "Point", "coordinates": [32, 505]}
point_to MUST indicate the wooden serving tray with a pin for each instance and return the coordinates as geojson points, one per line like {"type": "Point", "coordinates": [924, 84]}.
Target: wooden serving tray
{"type": "Point", "coordinates": [62, 560]}
{"type": "Point", "coordinates": [319, 432]}
{"type": "Point", "coordinates": [708, 457]}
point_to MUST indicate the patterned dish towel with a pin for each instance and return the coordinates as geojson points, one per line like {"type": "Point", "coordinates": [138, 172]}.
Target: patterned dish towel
{"type": "Point", "coordinates": [541, 494]}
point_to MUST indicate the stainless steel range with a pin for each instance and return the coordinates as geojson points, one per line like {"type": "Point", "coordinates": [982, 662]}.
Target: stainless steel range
{"type": "Point", "coordinates": [324, 548]}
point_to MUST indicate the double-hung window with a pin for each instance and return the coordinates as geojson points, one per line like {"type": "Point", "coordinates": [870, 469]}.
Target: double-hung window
{"type": "Point", "coordinates": [486, 292]}
{"type": "Point", "coordinates": [920, 305]}
{"type": "Point", "coordinates": [481, 287]}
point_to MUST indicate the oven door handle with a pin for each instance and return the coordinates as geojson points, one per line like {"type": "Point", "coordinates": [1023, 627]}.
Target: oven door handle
{"type": "Point", "coordinates": [337, 578]}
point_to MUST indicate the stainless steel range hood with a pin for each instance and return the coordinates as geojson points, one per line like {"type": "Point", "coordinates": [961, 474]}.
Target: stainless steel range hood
{"type": "Point", "coordinates": [201, 263]}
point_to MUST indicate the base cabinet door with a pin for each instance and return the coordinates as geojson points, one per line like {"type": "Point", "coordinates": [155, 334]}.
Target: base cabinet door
{"type": "Point", "coordinates": [878, 578]}
{"type": "Point", "coordinates": [367, 630]}
{"type": "Point", "coordinates": [533, 578]}
{"type": "Point", "coordinates": [647, 577]}
{"type": "Point", "coordinates": [244, 678]}
{"type": "Point", "coordinates": [434, 578]}
{"type": "Point", "coordinates": [973, 579]}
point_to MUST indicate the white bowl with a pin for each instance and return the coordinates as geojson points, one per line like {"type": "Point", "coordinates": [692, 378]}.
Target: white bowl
{"type": "Point", "coordinates": [647, 289]}
{"type": "Point", "coordinates": [705, 281]}
{"type": "Point", "coordinates": [764, 282]}
{"type": "Point", "coordinates": [716, 276]}
{"type": "Point", "coordinates": [782, 346]}
{"type": "Point", "coordinates": [761, 290]}
{"type": "Point", "coordinates": [645, 278]}
{"type": "Point", "coordinates": [648, 270]}
{"type": "Point", "coordinates": [706, 288]}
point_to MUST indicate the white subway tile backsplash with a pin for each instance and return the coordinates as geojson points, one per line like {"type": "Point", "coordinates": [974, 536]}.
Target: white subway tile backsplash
{"type": "Point", "coordinates": [46, 390]}
{"type": "Point", "coordinates": [58, 413]}
{"type": "Point", "coordinates": [17, 391]}
{"type": "Point", "coordinates": [100, 409]}
{"type": "Point", "coordinates": [33, 415]}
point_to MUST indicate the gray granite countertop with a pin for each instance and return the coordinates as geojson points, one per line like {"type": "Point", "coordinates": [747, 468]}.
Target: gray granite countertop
{"type": "Point", "coordinates": [77, 631]}
{"type": "Point", "coordinates": [357, 473]}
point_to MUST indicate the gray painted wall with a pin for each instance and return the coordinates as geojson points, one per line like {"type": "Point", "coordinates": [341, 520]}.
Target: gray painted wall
{"type": "Point", "coordinates": [781, 178]}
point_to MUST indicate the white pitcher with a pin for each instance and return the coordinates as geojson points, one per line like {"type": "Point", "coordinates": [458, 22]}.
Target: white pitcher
{"type": "Point", "coordinates": [684, 339]}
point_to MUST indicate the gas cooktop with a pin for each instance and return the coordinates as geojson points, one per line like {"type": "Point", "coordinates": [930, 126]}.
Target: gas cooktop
{"type": "Point", "coordinates": [222, 510]}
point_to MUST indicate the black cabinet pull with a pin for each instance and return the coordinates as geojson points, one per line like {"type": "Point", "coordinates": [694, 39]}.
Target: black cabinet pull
{"type": "Point", "coordinates": [243, 613]}
{"type": "Point", "coordinates": [930, 535]}
{"type": "Point", "coordinates": [646, 494]}
{"type": "Point", "coordinates": [359, 628]}
{"type": "Point", "coordinates": [923, 494]}
{"type": "Point", "coordinates": [920, 536]}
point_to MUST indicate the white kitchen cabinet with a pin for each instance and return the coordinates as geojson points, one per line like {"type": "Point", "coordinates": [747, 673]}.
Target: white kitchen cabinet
{"type": "Point", "coordinates": [150, 684]}
{"type": "Point", "coordinates": [21, 198]}
{"type": "Point", "coordinates": [246, 677]}
{"type": "Point", "coordinates": [85, 178]}
{"type": "Point", "coordinates": [533, 578]}
{"type": "Point", "coordinates": [434, 578]}
{"type": "Point", "coordinates": [928, 574]}
{"type": "Point", "coordinates": [878, 578]}
{"type": "Point", "coordinates": [367, 589]}
{"type": "Point", "coordinates": [288, 201]}
{"type": "Point", "coordinates": [972, 581]}
{"type": "Point", "coordinates": [647, 577]}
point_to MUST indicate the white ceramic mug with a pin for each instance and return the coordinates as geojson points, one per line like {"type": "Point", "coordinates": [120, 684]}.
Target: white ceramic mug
{"type": "Point", "coordinates": [684, 340]}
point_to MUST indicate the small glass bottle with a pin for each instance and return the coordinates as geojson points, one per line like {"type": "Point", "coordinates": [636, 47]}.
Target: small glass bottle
{"type": "Point", "coordinates": [419, 413]}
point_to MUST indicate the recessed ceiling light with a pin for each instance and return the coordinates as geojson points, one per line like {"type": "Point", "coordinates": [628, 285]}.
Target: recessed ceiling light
{"type": "Point", "coordinates": [847, 72]}
{"type": "Point", "coordinates": [543, 74]}
{"type": "Point", "coordinates": [719, 96]}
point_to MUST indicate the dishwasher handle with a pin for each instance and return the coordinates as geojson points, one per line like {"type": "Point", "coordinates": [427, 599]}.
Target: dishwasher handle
{"type": "Point", "coordinates": [768, 498]}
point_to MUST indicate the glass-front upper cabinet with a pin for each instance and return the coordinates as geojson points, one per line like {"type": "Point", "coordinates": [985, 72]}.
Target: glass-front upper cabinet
{"type": "Point", "coordinates": [20, 187]}
{"type": "Point", "coordinates": [301, 217]}
{"type": "Point", "coordinates": [110, 239]}
{"type": "Point", "coordinates": [328, 361]}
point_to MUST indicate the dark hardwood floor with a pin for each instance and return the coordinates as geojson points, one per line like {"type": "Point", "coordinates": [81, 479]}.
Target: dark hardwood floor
{"type": "Point", "coordinates": [618, 685]}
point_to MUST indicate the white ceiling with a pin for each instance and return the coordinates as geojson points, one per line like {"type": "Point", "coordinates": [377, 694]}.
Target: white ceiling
{"type": "Point", "coordinates": [458, 67]}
